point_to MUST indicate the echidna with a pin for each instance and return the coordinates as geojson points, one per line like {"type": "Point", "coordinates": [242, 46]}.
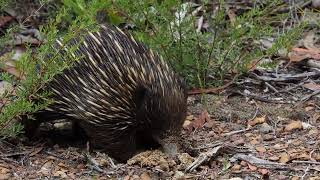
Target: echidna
{"type": "Point", "coordinates": [121, 94]}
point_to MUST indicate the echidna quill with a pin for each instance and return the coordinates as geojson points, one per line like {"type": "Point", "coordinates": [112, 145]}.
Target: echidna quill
{"type": "Point", "coordinates": [120, 93]}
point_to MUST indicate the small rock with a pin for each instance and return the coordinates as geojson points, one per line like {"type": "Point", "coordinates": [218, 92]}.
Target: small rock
{"type": "Point", "coordinates": [185, 160]}
{"type": "Point", "coordinates": [186, 124]}
{"type": "Point", "coordinates": [261, 149]}
{"type": "Point", "coordinates": [178, 175]}
{"type": "Point", "coordinates": [211, 134]}
{"type": "Point", "coordinates": [316, 4]}
{"type": "Point", "coordinates": [243, 163]}
{"type": "Point", "coordinates": [284, 158]}
{"type": "Point", "coordinates": [257, 120]}
{"type": "Point", "coordinates": [47, 167]}
{"type": "Point", "coordinates": [265, 128]}
{"type": "Point", "coordinates": [135, 177]}
{"type": "Point", "coordinates": [254, 142]}
{"type": "Point", "coordinates": [313, 131]}
{"type": "Point", "coordinates": [306, 125]}
{"type": "Point", "coordinates": [4, 170]}
{"type": "Point", "coordinates": [268, 137]}
{"type": "Point", "coordinates": [60, 174]}
{"type": "Point", "coordinates": [145, 176]}
{"type": "Point", "coordinates": [273, 158]}
{"type": "Point", "coordinates": [127, 177]}
{"type": "Point", "coordinates": [5, 176]}
{"type": "Point", "coordinates": [293, 126]}
{"type": "Point", "coordinates": [5, 86]}
{"type": "Point", "coordinates": [236, 178]}
{"type": "Point", "coordinates": [236, 167]}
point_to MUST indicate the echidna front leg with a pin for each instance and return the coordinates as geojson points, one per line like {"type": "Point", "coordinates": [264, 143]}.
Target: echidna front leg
{"type": "Point", "coordinates": [118, 145]}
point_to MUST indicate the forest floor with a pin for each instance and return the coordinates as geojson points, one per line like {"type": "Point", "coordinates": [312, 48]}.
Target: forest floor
{"type": "Point", "coordinates": [235, 137]}
{"type": "Point", "coordinates": [265, 125]}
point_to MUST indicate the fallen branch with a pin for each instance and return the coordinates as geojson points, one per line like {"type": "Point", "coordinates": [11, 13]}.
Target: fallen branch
{"type": "Point", "coordinates": [261, 162]}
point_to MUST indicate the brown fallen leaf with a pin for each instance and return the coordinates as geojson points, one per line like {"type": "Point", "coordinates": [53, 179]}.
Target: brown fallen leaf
{"type": "Point", "coordinates": [5, 19]}
{"type": "Point", "coordinates": [258, 120]}
{"type": "Point", "coordinates": [200, 121]}
{"type": "Point", "coordinates": [47, 167]}
{"type": "Point", "coordinates": [186, 124]}
{"type": "Point", "coordinates": [60, 174]}
{"type": "Point", "coordinates": [145, 176]}
{"type": "Point", "coordinates": [299, 54]}
{"type": "Point", "coordinates": [35, 151]}
{"type": "Point", "coordinates": [295, 178]}
{"type": "Point", "coordinates": [261, 149]}
{"type": "Point", "coordinates": [273, 158]}
{"type": "Point", "coordinates": [236, 167]}
{"type": "Point", "coordinates": [309, 108]}
{"type": "Point", "coordinates": [312, 86]}
{"type": "Point", "coordinates": [264, 171]}
{"type": "Point", "coordinates": [280, 146]}
{"type": "Point", "coordinates": [252, 167]}
{"type": "Point", "coordinates": [303, 156]}
{"type": "Point", "coordinates": [284, 158]}
{"type": "Point", "coordinates": [254, 142]}
{"type": "Point", "coordinates": [293, 126]}
{"type": "Point", "coordinates": [243, 163]}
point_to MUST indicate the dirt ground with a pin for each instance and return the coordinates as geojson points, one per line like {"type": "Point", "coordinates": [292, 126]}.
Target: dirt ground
{"type": "Point", "coordinates": [285, 136]}
{"type": "Point", "coordinates": [258, 135]}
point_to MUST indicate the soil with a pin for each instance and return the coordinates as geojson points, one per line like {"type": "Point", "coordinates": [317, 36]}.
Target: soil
{"type": "Point", "coordinates": [57, 156]}
{"type": "Point", "coordinates": [231, 135]}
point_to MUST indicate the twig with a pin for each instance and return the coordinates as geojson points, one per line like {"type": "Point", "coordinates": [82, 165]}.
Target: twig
{"type": "Point", "coordinates": [236, 132]}
{"type": "Point", "coordinates": [260, 162]}
{"type": "Point", "coordinates": [213, 90]}
{"type": "Point", "coordinates": [212, 145]}
{"type": "Point", "coordinates": [93, 163]}
{"type": "Point", "coordinates": [203, 157]}
{"type": "Point", "coordinates": [286, 77]}
{"type": "Point", "coordinates": [306, 162]}
{"type": "Point", "coordinates": [305, 172]}
{"type": "Point", "coordinates": [305, 98]}
{"type": "Point", "coordinates": [271, 87]}
{"type": "Point", "coordinates": [15, 154]}
{"type": "Point", "coordinates": [263, 99]}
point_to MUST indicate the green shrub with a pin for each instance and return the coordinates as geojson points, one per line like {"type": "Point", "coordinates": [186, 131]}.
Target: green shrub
{"type": "Point", "coordinates": [27, 96]}
{"type": "Point", "coordinates": [227, 47]}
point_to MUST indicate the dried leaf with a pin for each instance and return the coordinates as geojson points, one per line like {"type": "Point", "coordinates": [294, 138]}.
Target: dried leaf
{"type": "Point", "coordinates": [254, 142]}
{"type": "Point", "coordinates": [264, 171]}
{"type": "Point", "coordinates": [47, 167]}
{"type": "Point", "coordinates": [200, 121]}
{"type": "Point", "coordinates": [4, 20]}
{"type": "Point", "coordinates": [252, 167]}
{"type": "Point", "coordinates": [293, 125]}
{"type": "Point", "coordinates": [306, 125]}
{"type": "Point", "coordinates": [303, 156]}
{"type": "Point", "coordinates": [236, 167]}
{"type": "Point", "coordinates": [284, 158]}
{"type": "Point", "coordinates": [274, 158]}
{"type": "Point", "coordinates": [310, 40]}
{"type": "Point", "coordinates": [145, 176]}
{"type": "Point", "coordinates": [35, 151]}
{"type": "Point", "coordinates": [186, 124]}
{"type": "Point", "coordinates": [312, 86]}
{"type": "Point", "coordinates": [299, 54]}
{"type": "Point", "coordinates": [309, 108]}
{"type": "Point", "coordinates": [261, 149]}
{"type": "Point", "coordinates": [258, 120]}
